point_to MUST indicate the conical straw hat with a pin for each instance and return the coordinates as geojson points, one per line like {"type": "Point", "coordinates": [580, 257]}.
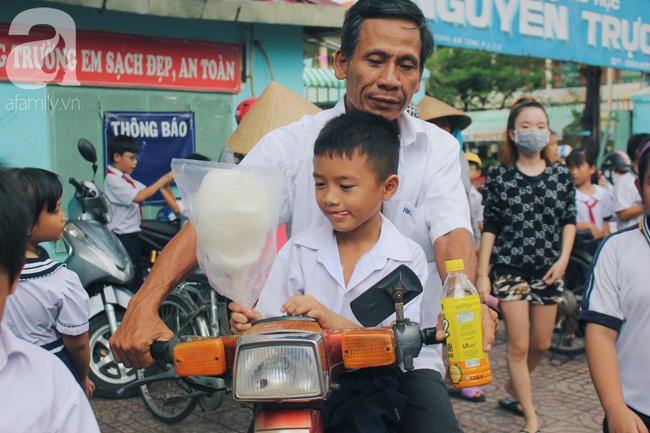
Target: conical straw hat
{"type": "Point", "coordinates": [432, 108]}
{"type": "Point", "coordinates": [276, 107]}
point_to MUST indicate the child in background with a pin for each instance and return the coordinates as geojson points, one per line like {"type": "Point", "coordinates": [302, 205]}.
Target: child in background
{"type": "Point", "coordinates": [616, 308]}
{"type": "Point", "coordinates": [594, 205]}
{"type": "Point", "coordinates": [176, 205]}
{"type": "Point", "coordinates": [626, 196]}
{"type": "Point", "coordinates": [50, 308]}
{"type": "Point", "coordinates": [127, 194]}
{"type": "Point", "coordinates": [320, 272]}
{"type": "Point", "coordinates": [475, 197]}
{"type": "Point", "coordinates": [37, 394]}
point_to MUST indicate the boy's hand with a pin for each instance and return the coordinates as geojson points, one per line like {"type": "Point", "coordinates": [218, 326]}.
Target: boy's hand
{"type": "Point", "coordinates": [242, 318]}
{"type": "Point", "coordinates": [88, 387]}
{"type": "Point", "coordinates": [166, 180]}
{"type": "Point", "coordinates": [625, 421]}
{"type": "Point", "coordinates": [308, 306]}
{"type": "Point", "coordinates": [596, 232]}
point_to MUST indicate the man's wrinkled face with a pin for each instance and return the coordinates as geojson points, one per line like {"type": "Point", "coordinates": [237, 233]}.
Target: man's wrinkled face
{"type": "Point", "coordinates": [384, 71]}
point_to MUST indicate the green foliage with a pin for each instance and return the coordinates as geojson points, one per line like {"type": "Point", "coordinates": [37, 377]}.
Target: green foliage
{"type": "Point", "coordinates": [477, 79]}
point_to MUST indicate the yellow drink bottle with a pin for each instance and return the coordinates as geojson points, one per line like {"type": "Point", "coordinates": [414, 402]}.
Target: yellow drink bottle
{"type": "Point", "coordinates": [461, 314]}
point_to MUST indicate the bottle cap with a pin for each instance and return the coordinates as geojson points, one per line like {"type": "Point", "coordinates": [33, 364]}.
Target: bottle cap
{"type": "Point", "coordinates": [454, 265]}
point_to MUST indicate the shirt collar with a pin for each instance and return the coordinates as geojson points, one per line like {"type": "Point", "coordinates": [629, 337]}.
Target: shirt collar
{"type": "Point", "coordinates": [8, 345]}
{"type": "Point", "coordinates": [644, 226]}
{"type": "Point", "coordinates": [409, 127]}
{"type": "Point", "coordinates": [390, 245]}
{"type": "Point", "coordinates": [117, 172]}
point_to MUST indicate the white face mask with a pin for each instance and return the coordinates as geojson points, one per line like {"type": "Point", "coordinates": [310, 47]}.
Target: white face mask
{"type": "Point", "coordinates": [532, 141]}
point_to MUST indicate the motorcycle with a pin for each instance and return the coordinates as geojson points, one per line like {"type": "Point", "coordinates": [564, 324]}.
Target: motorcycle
{"type": "Point", "coordinates": [104, 267]}
{"type": "Point", "coordinates": [289, 366]}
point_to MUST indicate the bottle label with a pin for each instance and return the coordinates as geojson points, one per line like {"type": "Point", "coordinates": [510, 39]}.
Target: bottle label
{"type": "Point", "coordinates": [468, 364]}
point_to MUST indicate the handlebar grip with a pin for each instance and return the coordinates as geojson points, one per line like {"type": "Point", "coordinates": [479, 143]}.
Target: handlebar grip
{"type": "Point", "coordinates": [429, 336]}
{"type": "Point", "coordinates": [158, 350]}
{"type": "Point", "coordinates": [76, 184]}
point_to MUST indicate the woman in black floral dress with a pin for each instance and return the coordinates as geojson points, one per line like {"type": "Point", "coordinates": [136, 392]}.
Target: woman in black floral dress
{"type": "Point", "coordinates": [528, 233]}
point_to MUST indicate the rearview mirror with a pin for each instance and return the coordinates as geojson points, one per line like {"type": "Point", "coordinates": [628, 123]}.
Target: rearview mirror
{"type": "Point", "coordinates": [87, 150]}
{"type": "Point", "coordinates": [377, 303]}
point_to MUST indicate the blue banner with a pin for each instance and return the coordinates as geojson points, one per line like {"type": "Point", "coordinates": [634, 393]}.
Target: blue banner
{"type": "Point", "coordinates": [608, 33]}
{"type": "Point", "coordinates": [161, 137]}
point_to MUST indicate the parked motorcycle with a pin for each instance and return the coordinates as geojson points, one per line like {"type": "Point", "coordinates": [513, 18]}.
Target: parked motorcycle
{"type": "Point", "coordinates": [290, 365]}
{"type": "Point", "coordinates": [104, 267]}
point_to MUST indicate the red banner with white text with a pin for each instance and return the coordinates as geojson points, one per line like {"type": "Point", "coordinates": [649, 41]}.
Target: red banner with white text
{"type": "Point", "coordinates": [106, 59]}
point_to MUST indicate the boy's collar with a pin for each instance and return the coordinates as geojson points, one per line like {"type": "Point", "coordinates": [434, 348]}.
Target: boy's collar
{"type": "Point", "coordinates": [114, 169]}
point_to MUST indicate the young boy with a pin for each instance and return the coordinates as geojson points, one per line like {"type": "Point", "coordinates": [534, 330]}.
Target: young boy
{"type": "Point", "coordinates": [616, 307]}
{"type": "Point", "coordinates": [594, 205]}
{"type": "Point", "coordinates": [127, 195]}
{"type": "Point", "coordinates": [318, 273]}
{"type": "Point", "coordinates": [626, 197]}
{"type": "Point", "coordinates": [475, 197]}
{"type": "Point", "coordinates": [38, 391]}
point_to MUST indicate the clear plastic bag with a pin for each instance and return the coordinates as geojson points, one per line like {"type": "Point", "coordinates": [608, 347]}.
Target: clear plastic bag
{"type": "Point", "coordinates": [235, 212]}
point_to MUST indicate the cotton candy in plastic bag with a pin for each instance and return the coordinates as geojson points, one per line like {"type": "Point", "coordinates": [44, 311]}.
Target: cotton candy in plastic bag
{"type": "Point", "coordinates": [235, 212]}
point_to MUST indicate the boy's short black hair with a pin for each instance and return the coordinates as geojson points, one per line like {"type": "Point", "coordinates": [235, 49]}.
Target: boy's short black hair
{"type": "Point", "coordinates": [579, 156]}
{"type": "Point", "coordinates": [634, 144]}
{"type": "Point", "coordinates": [13, 230]}
{"type": "Point", "coordinates": [42, 188]}
{"type": "Point", "coordinates": [197, 157]}
{"type": "Point", "coordinates": [120, 144]}
{"type": "Point", "coordinates": [364, 134]}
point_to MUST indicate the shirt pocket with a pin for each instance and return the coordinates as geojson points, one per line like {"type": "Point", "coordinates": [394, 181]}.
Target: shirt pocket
{"type": "Point", "coordinates": [411, 222]}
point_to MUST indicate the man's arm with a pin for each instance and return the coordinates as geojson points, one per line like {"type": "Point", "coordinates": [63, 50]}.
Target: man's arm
{"type": "Point", "coordinates": [141, 325]}
{"type": "Point", "coordinates": [629, 213]}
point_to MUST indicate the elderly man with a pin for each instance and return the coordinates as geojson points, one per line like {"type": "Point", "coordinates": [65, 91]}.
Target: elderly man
{"type": "Point", "coordinates": [384, 44]}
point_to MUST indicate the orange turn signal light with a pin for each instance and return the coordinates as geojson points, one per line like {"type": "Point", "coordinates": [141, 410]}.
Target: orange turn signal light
{"type": "Point", "coordinates": [368, 348]}
{"type": "Point", "coordinates": [200, 358]}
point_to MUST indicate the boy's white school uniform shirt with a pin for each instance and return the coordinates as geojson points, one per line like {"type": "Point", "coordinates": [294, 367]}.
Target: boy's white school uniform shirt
{"type": "Point", "coordinates": [37, 391]}
{"type": "Point", "coordinates": [49, 300]}
{"type": "Point", "coordinates": [429, 203]}
{"type": "Point", "coordinates": [594, 208]}
{"type": "Point", "coordinates": [309, 264]}
{"type": "Point", "coordinates": [618, 297]}
{"type": "Point", "coordinates": [625, 196]}
{"type": "Point", "coordinates": [121, 189]}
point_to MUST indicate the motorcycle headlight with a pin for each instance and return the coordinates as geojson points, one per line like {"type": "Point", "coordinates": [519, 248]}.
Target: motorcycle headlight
{"type": "Point", "coordinates": [279, 367]}
{"type": "Point", "coordinates": [74, 231]}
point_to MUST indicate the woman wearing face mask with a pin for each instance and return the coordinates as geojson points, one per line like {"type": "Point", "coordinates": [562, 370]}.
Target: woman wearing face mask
{"type": "Point", "coordinates": [528, 232]}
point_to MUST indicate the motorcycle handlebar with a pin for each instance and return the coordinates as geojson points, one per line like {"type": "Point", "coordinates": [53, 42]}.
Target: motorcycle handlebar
{"type": "Point", "coordinates": [79, 187]}
{"type": "Point", "coordinates": [160, 350]}
{"type": "Point", "coordinates": [429, 336]}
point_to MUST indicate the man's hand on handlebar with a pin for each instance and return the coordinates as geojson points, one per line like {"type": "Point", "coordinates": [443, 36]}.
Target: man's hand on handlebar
{"type": "Point", "coordinates": [139, 329]}
{"type": "Point", "coordinates": [490, 320]}
{"type": "Point", "coordinates": [242, 318]}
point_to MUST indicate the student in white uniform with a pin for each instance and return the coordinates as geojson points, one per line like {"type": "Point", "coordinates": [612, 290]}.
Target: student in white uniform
{"type": "Point", "coordinates": [594, 205]}
{"type": "Point", "coordinates": [321, 271]}
{"type": "Point", "coordinates": [626, 197]}
{"type": "Point", "coordinates": [50, 307]}
{"type": "Point", "coordinates": [127, 194]}
{"type": "Point", "coordinates": [37, 392]}
{"type": "Point", "coordinates": [616, 308]}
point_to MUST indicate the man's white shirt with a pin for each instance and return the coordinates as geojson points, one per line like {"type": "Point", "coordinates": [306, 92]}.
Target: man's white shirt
{"type": "Point", "coordinates": [309, 264]}
{"type": "Point", "coordinates": [430, 201]}
{"type": "Point", "coordinates": [38, 392]}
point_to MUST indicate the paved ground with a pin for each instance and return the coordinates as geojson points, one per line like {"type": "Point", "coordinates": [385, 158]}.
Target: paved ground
{"type": "Point", "coordinates": [565, 399]}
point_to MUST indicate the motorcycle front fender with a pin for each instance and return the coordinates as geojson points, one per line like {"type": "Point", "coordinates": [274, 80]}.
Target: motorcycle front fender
{"type": "Point", "coordinates": [111, 295]}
